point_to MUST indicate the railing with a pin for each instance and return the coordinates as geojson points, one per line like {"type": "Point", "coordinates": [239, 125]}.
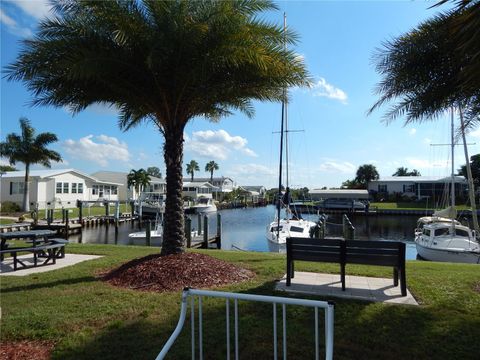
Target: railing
{"type": "Point", "coordinates": [327, 306]}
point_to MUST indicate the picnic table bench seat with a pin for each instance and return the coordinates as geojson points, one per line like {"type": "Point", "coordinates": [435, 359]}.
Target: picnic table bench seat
{"type": "Point", "coordinates": [48, 253]}
{"type": "Point", "coordinates": [343, 252]}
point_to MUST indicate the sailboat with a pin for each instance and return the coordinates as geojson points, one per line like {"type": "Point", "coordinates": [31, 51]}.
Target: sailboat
{"type": "Point", "coordinates": [292, 225]}
{"type": "Point", "coordinates": [442, 238]}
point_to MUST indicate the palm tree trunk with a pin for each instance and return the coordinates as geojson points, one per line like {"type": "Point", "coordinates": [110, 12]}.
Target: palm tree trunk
{"type": "Point", "coordinates": [26, 200]}
{"type": "Point", "coordinates": [173, 229]}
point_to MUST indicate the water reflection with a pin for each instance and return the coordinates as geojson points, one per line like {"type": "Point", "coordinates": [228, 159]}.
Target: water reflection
{"type": "Point", "coordinates": [244, 229]}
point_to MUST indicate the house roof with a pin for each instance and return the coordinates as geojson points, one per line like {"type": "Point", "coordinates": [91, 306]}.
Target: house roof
{"type": "Point", "coordinates": [342, 193]}
{"type": "Point", "coordinates": [42, 174]}
{"type": "Point", "coordinates": [207, 179]}
{"type": "Point", "coordinates": [419, 179]}
{"type": "Point", "coordinates": [256, 188]}
{"type": "Point", "coordinates": [198, 184]}
{"type": "Point", "coordinates": [121, 177]}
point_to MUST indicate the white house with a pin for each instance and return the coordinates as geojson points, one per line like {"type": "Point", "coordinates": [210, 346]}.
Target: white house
{"type": "Point", "coordinates": [56, 188]}
{"type": "Point", "coordinates": [419, 187]}
{"type": "Point", "coordinates": [222, 184]}
{"type": "Point", "coordinates": [157, 185]}
{"type": "Point", "coordinates": [196, 190]}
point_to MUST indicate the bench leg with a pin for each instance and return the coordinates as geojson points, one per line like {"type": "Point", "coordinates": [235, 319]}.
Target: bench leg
{"type": "Point", "coordinates": [395, 277]}
{"type": "Point", "coordinates": [14, 261]}
{"type": "Point", "coordinates": [292, 271]}
{"type": "Point", "coordinates": [289, 272]}
{"type": "Point", "coordinates": [403, 282]}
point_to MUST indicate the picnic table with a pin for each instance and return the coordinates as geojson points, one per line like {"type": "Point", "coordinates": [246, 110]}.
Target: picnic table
{"type": "Point", "coordinates": [43, 247]}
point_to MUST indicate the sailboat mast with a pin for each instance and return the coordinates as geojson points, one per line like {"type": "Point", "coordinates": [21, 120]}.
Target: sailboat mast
{"type": "Point", "coordinates": [281, 141]}
{"type": "Point", "coordinates": [471, 189]}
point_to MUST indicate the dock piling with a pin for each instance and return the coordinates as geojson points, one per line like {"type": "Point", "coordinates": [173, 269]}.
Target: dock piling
{"type": "Point", "coordinates": [205, 231]}
{"type": "Point", "coordinates": [188, 231]}
{"type": "Point", "coordinates": [148, 231]}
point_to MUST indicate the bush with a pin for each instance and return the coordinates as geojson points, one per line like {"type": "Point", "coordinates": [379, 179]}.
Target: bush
{"type": "Point", "coordinates": [9, 207]}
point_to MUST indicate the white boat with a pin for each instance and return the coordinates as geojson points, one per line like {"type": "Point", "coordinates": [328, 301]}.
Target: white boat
{"type": "Point", "coordinates": [279, 231]}
{"type": "Point", "coordinates": [150, 203]}
{"type": "Point", "coordinates": [442, 238]}
{"type": "Point", "coordinates": [157, 233]}
{"type": "Point", "coordinates": [291, 225]}
{"type": "Point", "coordinates": [203, 206]}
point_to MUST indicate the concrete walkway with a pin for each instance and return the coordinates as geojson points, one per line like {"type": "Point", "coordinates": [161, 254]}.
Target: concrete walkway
{"type": "Point", "coordinates": [6, 266]}
{"type": "Point", "coordinates": [357, 287]}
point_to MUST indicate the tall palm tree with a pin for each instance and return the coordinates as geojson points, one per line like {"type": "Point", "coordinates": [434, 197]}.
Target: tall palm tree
{"type": "Point", "coordinates": [164, 62]}
{"type": "Point", "coordinates": [138, 179]}
{"type": "Point", "coordinates": [192, 166]}
{"type": "Point", "coordinates": [425, 71]}
{"type": "Point", "coordinates": [29, 148]}
{"type": "Point", "coordinates": [211, 167]}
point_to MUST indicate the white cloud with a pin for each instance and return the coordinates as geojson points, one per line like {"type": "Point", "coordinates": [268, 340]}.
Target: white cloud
{"type": "Point", "coordinates": [323, 88]}
{"type": "Point", "coordinates": [13, 27]}
{"type": "Point", "coordinates": [101, 152]}
{"type": "Point", "coordinates": [475, 133]}
{"type": "Point", "coordinates": [335, 167]}
{"type": "Point", "coordinates": [37, 9]}
{"type": "Point", "coordinates": [427, 141]}
{"type": "Point", "coordinates": [417, 163]}
{"type": "Point", "coordinates": [216, 144]}
{"type": "Point", "coordinates": [412, 131]}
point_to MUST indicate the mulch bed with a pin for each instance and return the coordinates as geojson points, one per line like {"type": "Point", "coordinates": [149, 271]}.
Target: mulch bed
{"type": "Point", "coordinates": [175, 272]}
{"type": "Point", "coordinates": [26, 350]}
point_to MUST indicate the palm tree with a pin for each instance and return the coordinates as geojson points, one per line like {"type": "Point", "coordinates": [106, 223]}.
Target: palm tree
{"type": "Point", "coordinates": [164, 62]}
{"type": "Point", "coordinates": [211, 167]}
{"type": "Point", "coordinates": [192, 166]}
{"type": "Point", "coordinates": [403, 171]}
{"type": "Point", "coordinates": [29, 148]}
{"type": "Point", "coordinates": [425, 71]}
{"type": "Point", "coordinates": [366, 173]}
{"type": "Point", "coordinates": [138, 179]}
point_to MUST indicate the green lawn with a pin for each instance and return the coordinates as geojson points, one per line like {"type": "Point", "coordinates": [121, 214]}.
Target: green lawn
{"type": "Point", "coordinates": [407, 206]}
{"type": "Point", "coordinates": [6, 221]}
{"type": "Point", "coordinates": [90, 319]}
{"type": "Point", "coordinates": [86, 211]}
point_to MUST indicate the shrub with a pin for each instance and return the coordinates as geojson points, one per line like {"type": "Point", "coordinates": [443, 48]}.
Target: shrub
{"type": "Point", "coordinates": [9, 207]}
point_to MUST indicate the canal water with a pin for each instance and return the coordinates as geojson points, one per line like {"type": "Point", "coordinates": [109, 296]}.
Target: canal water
{"type": "Point", "coordinates": [244, 229]}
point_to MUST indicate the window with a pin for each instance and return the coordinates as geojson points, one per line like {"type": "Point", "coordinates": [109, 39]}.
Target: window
{"type": "Point", "coordinates": [74, 188]}
{"type": "Point", "coordinates": [426, 232]}
{"type": "Point", "coordinates": [296, 229]}
{"type": "Point", "coordinates": [409, 188]}
{"type": "Point", "coordinates": [80, 188]}
{"type": "Point", "coordinates": [461, 232]}
{"type": "Point", "coordinates": [382, 188]}
{"type": "Point", "coordinates": [107, 190]}
{"type": "Point", "coordinates": [114, 190]}
{"type": "Point", "coordinates": [65, 187]}
{"type": "Point", "coordinates": [17, 188]}
{"type": "Point", "coordinates": [59, 188]}
{"type": "Point", "coordinates": [95, 190]}
{"type": "Point", "coordinates": [441, 232]}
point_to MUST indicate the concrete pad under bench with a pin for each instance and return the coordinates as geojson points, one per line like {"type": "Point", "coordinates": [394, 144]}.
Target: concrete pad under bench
{"type": "Point", "coordinates": [357, 287]}
{"type": "Point", "coordinates": [6, 266]}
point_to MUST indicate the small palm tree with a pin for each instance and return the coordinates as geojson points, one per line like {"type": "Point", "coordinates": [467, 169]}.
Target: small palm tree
{"type": "Point", "coordinates": [192, 166]}
{"type": "Point", "coordinates": [29, 148]}
{"type": "Point", "coordinates": [177, 60]}
{"type": "Point", "coordinates": [138, 179]}
{"type": "Point", "coordinates": [366, 173]}
{"type": "Point", "coordinates": [211, 167]}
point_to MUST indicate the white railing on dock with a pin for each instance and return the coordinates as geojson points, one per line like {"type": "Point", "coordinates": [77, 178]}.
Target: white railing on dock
{"type": "Point", "coordinates": [200, 294]}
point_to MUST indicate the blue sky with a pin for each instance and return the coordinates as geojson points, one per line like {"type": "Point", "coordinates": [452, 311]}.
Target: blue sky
{"type": "Point", "coordinates": [337, 40]}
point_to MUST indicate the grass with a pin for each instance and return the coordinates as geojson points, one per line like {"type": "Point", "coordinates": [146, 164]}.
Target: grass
{"type": "Point", "coordinates": [86, 211]}
{"type": "Point", "coordinates": [90, 319]}
{"type": "Point", "coordinates": [6, 221]}
{"type": "Point", "coordinates": [408, 206]}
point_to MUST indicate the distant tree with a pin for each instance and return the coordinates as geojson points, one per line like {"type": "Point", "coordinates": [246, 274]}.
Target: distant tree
{"type": "Point", "coordinates": [138, 179]}
{"type": "Point", "coordinates": [403, 171]}
{"type": "Point", "coordinates": [29, 148]}
{"type": "Point", "coordinates": [366, 173]}
{"type": "Point", "coordinates": [154, 171]}
{"type": "Point", "coordinates": [211, 167]}
{"type": "Point", "coordinates": [192, 166]}
{"type": "Point", "coordinates": [350, 184]}
{"type": "Point", "coordinates": [6, 168]}
{"type": "Point", "coordinates": [475, 166]}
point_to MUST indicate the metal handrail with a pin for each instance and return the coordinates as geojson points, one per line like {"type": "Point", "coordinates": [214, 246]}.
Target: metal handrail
{"type": "Point", "coordinates": [326, 305]}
